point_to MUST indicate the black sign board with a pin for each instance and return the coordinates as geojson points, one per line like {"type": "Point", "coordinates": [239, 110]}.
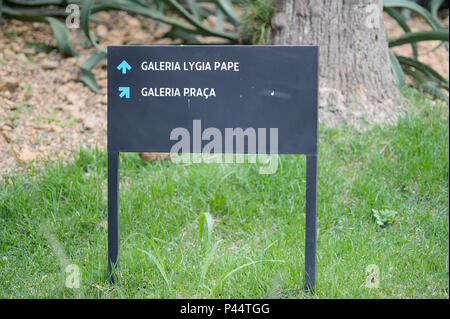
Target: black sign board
{"type": "Point", "coordinates": [153, 90]}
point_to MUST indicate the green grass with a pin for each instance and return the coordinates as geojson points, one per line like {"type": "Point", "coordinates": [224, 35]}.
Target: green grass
{"type": "Point", "coordinates": [255, 21]}
{"type": "Point", "coordinates": [382, 199]}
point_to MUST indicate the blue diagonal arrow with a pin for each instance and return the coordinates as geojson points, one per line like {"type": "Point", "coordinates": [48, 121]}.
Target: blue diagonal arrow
{"type": "Point", "coordinates": [124, 91]}
{"type": "Point", "coordinates": [124, 66]}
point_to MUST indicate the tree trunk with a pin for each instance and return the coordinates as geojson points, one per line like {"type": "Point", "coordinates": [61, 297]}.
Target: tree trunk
{"type": "Point", "coordinates": [356, 79]}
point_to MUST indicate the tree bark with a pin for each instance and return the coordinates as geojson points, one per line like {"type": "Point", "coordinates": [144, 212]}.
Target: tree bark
{"type": "Point", "coordinates": [356, 79]}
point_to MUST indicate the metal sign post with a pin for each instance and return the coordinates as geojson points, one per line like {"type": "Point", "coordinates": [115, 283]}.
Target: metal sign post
{"type": "Point", "coordinates": [153, 90]}
{"type": "Point", "coordinates": [310, 223]}
{"type": "Point", "coordinates": [113, 214]}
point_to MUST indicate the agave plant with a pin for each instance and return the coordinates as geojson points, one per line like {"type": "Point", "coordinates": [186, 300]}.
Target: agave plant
{"type": "Point", "coordinates": [425, 77]}
{"type": "Point", "coordinates": [186, 21]}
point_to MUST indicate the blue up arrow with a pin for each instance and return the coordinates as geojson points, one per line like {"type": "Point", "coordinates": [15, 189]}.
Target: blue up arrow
{"type": "Point", "coordinates": [124, 66]}
{"type": "Point", "coordinates": [124, 91]}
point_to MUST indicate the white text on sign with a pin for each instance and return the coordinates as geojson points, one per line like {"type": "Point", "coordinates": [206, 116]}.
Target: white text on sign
{"type": "Point", "coordinates": [190, 66]}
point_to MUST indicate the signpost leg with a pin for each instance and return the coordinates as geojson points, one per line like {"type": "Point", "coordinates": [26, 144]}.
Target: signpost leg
{"type": "Point", "coordinates": [310, 238]}
{"type": "Point", "coordinates": [113, 214]}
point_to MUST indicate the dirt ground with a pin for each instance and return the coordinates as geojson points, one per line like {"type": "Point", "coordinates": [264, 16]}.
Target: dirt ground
{"type": "Point", "coordinates": [438, 59]}
{"type": "Point", "coordinates": [45, 112]}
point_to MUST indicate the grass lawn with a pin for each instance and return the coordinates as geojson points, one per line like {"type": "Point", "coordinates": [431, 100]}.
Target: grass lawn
{"type": "Point", "coordinates": [382, 200]}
